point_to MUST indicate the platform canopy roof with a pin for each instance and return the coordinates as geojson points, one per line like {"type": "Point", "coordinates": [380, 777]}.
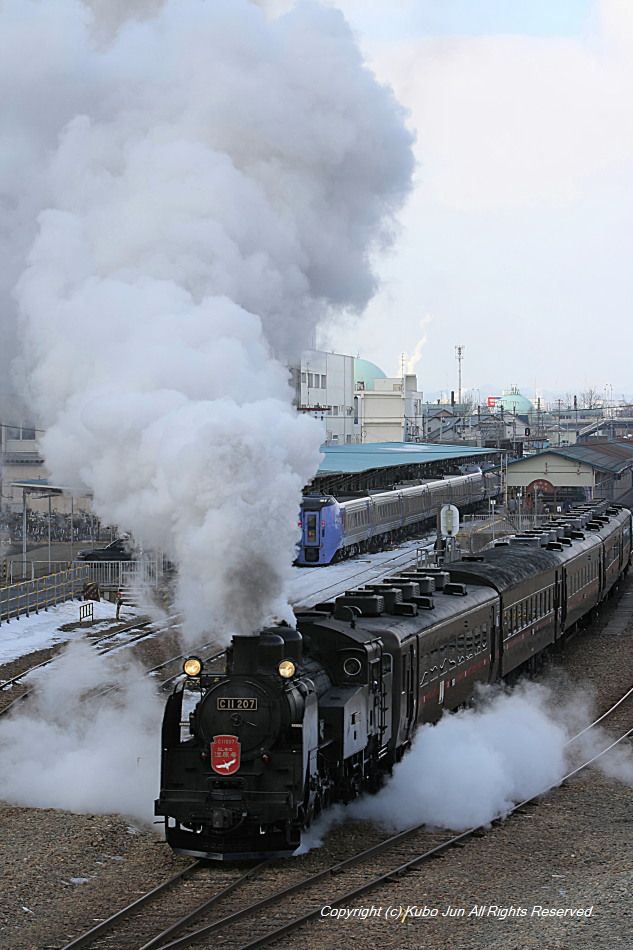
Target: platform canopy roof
{"type": "Point", "coordinates": [47, 487]}
{"type": "Point", "coordinates": [360, 458]}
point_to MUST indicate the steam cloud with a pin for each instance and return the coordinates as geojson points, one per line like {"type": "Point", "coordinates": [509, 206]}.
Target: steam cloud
{"type": "Point", "coordinates": [98, 757]}
{"type": "Point", "coordinates": [187, 194]}
{"type": "Point", "coordinates": [475, 764]}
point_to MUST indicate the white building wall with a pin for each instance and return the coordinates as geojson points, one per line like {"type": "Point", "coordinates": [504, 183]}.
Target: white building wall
{"type": "Point", "coordinates": [392, 412]}
{"type": "Point", "coordinates": [327, 393]}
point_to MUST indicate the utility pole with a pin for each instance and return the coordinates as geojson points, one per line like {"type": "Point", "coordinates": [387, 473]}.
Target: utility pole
{"type": "Point", "coordinates": [459, 355]}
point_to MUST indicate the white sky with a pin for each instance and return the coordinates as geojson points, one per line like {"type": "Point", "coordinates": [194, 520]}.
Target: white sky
{"type": "Point", "coordinates": [517, 242]}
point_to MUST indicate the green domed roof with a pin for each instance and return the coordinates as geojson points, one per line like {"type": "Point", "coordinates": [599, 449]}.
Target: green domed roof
{"type": "Point", "coordinates": [513, 401]}
{"type": "Point", "coordinates": [367, 372]}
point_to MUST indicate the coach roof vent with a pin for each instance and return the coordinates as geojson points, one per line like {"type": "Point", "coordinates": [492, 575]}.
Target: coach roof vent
{"type": "Point", "coordinates": [370, 605]}
{"type": "Point", "coordinates": [440, 577]}
{"type": "Point", "coordinates": [522, 540]}
{"type": "Point", "coordinates": [456, 590]}
{"type": "Point", "coordinates": [407, 585]}
{"type": "Point", "coordinates": [391, 596]}
{"type": "Point", "coordinates": [425, 583]}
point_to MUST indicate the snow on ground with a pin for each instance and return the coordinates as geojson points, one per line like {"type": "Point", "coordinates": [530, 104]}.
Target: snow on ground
{"type": "Point", "coordinates": [310, 585]}
{"type": "Point", "coordinates": [38, 631]}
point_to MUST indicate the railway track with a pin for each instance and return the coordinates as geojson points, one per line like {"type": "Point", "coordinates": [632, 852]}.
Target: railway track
{"type": "Point", "coordinates": [255, 900]}
{"type": "Point", "coordinates": [97, 642]}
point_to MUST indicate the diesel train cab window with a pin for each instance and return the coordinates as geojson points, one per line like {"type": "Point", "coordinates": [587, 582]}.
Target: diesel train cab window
{"type": "Point", "coordinates": [312, 527]}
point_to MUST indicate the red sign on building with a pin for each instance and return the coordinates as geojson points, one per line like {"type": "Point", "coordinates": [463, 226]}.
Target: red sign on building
{"type": "Point", "coordinates": [492, 401]}
{"type": "Point", "coordinates": [225, 754]}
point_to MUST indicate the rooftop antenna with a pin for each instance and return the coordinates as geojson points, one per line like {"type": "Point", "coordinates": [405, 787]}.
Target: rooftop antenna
{"type": "Point", "coordinates": [459, 355]}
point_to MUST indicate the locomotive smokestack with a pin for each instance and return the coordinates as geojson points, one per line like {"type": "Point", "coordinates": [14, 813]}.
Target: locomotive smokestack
{"type": "Point", "coordinates": [251, 655]}
{"type": "Point", "coordinates": [242, 655]}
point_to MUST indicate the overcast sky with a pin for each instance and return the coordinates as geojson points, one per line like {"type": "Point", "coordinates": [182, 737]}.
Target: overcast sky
{"type": "Point", "coordinates": [517, 242]}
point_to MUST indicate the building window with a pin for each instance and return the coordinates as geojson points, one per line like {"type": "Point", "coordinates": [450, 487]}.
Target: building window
{"type": "Point", "coordinates": [20, 433]}
{"type": "Point", "coordinates": [304, 377]}
{"type": "Point", "coordinates": [323, 382]}
{"type": "Point", "coordinates": [310, 380]}
{"type": "Point", "coordinates": [335, 410]}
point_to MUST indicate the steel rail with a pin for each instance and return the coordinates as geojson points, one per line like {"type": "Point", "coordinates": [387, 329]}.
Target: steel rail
{"type": "Point", "coordinates": [84, 940]}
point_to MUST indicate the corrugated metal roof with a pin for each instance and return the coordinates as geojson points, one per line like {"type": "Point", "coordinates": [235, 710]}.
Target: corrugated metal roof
{"type": "Point", "coordinates": [361, 458]}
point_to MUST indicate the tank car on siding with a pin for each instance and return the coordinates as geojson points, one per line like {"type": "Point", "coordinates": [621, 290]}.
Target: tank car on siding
{"type": "Point", "coordinates": [307, 717]}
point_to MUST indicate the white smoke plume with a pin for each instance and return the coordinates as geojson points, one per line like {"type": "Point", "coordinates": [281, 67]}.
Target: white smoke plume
{"type": "Point", "coordinates": [416, 356]}
{"type": "Point", "coordinates": [188, 191]}
{"type": "Point", "coordinates": [88, 755]}
{"type": "Point", "coordinates": [474, 765]}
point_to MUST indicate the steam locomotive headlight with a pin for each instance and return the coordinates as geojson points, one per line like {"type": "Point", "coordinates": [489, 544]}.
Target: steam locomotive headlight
{"type": "Point", "coordinates": [192, 666]}
{"type": "Point", "coordinates": [286, 669]}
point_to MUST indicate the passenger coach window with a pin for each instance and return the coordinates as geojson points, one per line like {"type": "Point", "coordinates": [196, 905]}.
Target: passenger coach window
{"type": "Point", "coordinates": [387, 663]}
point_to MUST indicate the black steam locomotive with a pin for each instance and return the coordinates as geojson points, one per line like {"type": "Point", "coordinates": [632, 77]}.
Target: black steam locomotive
{"type": "Point", "coordinates": [314, 715]}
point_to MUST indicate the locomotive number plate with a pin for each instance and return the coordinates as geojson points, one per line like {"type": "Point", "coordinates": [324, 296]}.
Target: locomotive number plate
{"type": "Point", "coordinates": [233, 702]}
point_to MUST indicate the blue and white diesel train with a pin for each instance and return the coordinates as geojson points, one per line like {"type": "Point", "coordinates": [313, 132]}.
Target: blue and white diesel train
{"type": "Point", "coordinates": [332, 529]}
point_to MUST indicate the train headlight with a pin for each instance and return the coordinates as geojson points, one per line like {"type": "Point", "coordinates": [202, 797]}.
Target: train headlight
{"type": "Point", "coordinates": [286, 669]}
{"type": "Point", "coordinates": [192, 666]}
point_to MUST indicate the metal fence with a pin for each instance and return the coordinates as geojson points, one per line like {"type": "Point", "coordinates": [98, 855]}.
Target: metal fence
{"type": "Point", "coordinates": [42, 592]}
{"type": "Point", "coordinates": [15, 570]}
{"type": "Point", "coordinates": [110, 574]}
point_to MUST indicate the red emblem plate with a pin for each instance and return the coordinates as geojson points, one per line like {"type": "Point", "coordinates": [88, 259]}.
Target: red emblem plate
{"type": "Point", "coordinates": [225, 754]}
